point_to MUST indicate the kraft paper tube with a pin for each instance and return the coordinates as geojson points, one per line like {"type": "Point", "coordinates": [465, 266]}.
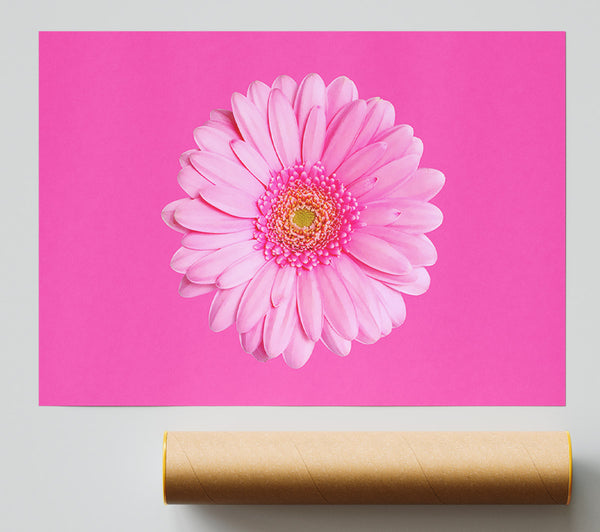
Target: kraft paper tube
{"type": "Point", "coordinates": [367, 467]}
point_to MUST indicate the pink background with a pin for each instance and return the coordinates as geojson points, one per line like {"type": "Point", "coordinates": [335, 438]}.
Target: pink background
{"type": "Point", "coordinates": [117, 109]}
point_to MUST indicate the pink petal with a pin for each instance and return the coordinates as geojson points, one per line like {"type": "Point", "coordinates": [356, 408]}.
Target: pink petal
{"type": "Point", "coordinates": [215, 140]}
{"type": "Point", "coordinates": [337, 303]}
{"type": "Point", "coordinates": [207, 269]}
{"type": "Point", "coordinates": [256, 301]}
{"type": "Point", "coordinates": [251, 339]}
{"type": "Point", "coordinates": [388, 277]}
{"type": "Point", "coordinates": [417, 287]}
{"type": "Point", "coordinates": [223, 308]}
{"type": "Point", "coordinates": [388, 114]}
{"type": "Point", "coordinates": [287, 85]}
{"type": "Point", "coordinates": [311, 93]}
{"type": "Point", "coordinates": [284, 129]}
{"type": "Point", "coordinates": [310, 306]}
{"type": "Point", "coordinates": [258, 93]}
{"type": "Point", "coordinates": [197, 215]}
{"type": "Point", "coordinates": [358, 164]}
{"type": "Point", "coordinates": [283, 285]}
{"type": "Point", "coordinates": [314, 136]}
{"type": "Point", "coordinates": [357, 282]}
{"type": "Point", "coordinates": [299, 349]}
{"type": "Point", "coordinates": [418, 216]}
{"type": "Point", "coordinates": [362, 185]}
{"type": "Point", "coordinates": [279, 326]}
{"type": "Point", "coordinates": [370, 296]}
{"type": "Point", "coordinates": [379, 214]}
{"type": "Point", "coordinates": [231, 200]}
{"type": "Point", "coordinates": [380, 116]}
{"type": "Point", "coordinates": [415, 147]}
{"type": "Point", "coordinates": [363, 297]}
{"type": "Point", "coordinates": [340, 91]}
{"type": "Point", "coordinates": [260, 354]}
{"type": "Point", "coordinates": [196, 240]}
{"type": "Point", "coordinates": [341, 134]}
{"type": "Point", "coordinates": [334, 342]}
{"type": "Point", "coordinates": [241, 271]}
{"type": "Point", "coordinates": [391, 175]}
{"type": "Point", "coordinates": [184, 159]}
{"type": "Point", "coordinates": [227, 128]}
{"type": "Point", "coordinates": [368, 328]}
{"type": "Point", "coordinates": [393, 303]}
{"type": "Point", "coordinates": [423, 185]}
{"type": "Point", "coordinates": [168, 214]}
{"type": "Point", "coordinates": [398, 139]}
{"type": "Point", "coordinates": [224, 116]}
{"type": "Point", "coordinates": [383, 318]}
{"type": "Point", "coordinates": [191, 181]}
{"type": "Point", "coordinates": [184, 258]}
{"type": "Point", "coordinates": [222, 171]}
{"type": "Point", "coordinates": [418, 249]}
{"type": "Point", "coordinates": [252, 160]}
{"type": "Point", "coordinates": [377, 253]}
{"type": "Point", "coordinates": [254, 129]}
{"type": "Point", "coordinates": [189, 289]}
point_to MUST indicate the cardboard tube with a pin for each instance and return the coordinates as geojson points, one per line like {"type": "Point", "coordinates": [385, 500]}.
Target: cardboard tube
{"type": "Point", "coordinates": [367, 467]}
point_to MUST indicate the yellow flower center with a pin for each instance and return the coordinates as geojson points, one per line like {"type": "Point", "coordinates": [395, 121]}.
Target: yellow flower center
{"type": "Point", "coordinates": [303, 218]}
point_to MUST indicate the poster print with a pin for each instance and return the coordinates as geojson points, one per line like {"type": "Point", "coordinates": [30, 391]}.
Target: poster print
{"type": "Point", "coordinates": [302, 218]}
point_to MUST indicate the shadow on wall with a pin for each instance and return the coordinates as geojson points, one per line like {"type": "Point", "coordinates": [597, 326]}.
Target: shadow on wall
{"type": "Point", "coordinates": [577, 517]}
{"type": "Point", "coordinates": [384, 518]}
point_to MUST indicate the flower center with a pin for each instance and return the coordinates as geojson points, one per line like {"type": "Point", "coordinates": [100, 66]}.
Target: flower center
{"type": "Point", "coordinates": [303, 217]}
{"type": "Point", "coordinates": [307, 217]}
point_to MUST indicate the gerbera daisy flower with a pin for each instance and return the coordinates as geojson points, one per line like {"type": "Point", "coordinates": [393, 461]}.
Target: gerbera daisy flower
{"type": "Point", "coordinates": [306, 215]}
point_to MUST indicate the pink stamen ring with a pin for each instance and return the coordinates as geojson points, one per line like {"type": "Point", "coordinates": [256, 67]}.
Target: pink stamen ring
{"type": "Point", "coordinates": [307, 217]}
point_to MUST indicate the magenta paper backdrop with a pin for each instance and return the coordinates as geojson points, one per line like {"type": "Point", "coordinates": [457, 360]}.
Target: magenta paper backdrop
{"type": "Point", "coordinates": [116, 111]}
